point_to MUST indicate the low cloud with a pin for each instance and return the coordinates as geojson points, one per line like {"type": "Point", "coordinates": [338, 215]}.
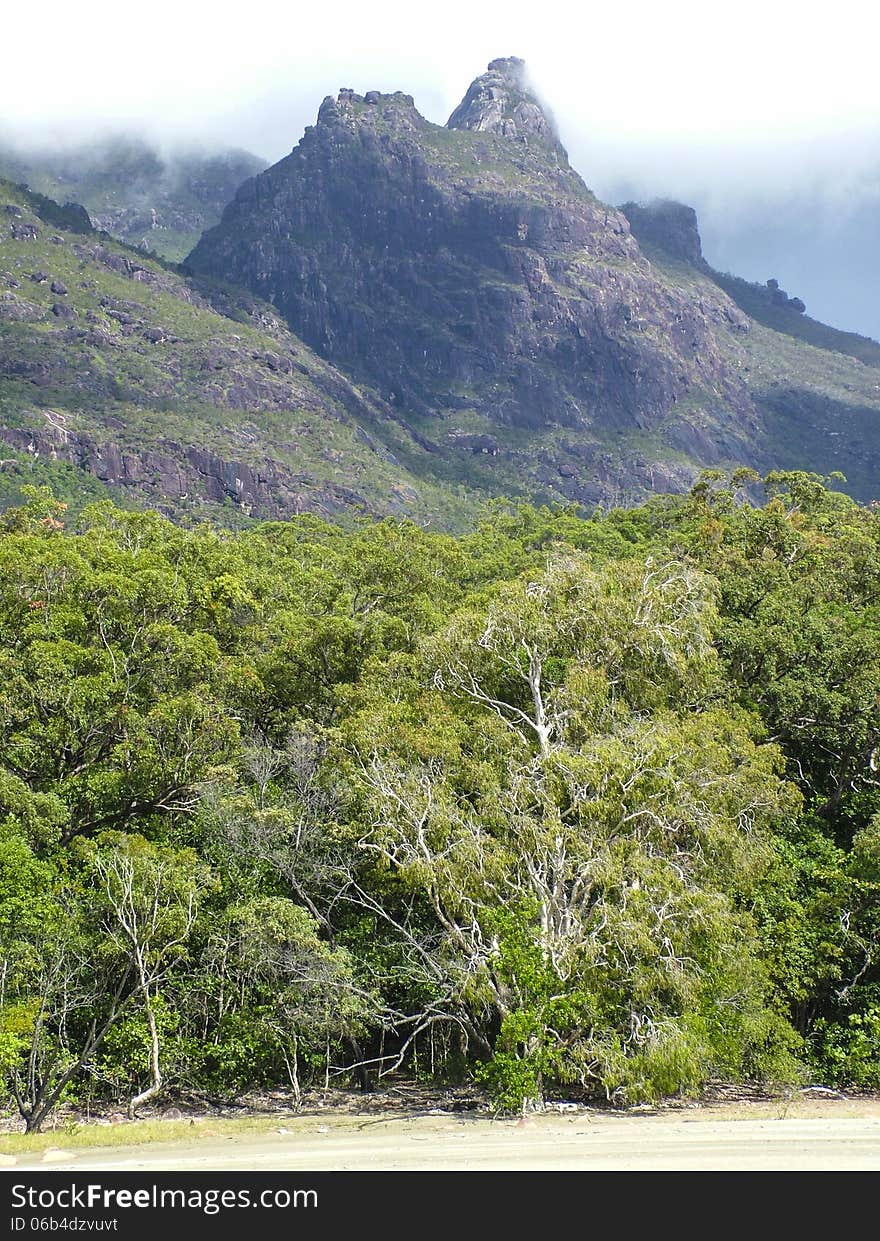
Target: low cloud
{"type": "Point", "coordinates": [748, 113]}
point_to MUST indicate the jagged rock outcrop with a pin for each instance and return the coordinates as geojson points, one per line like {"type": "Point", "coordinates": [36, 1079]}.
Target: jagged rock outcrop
{"type": "Point", "coordinates": [501, 101]}
{"type": "Point", "coordinates": [467, 268]}
{"type": "Point", "coordinates": [664, 227]}
{"type": "Point", "coordinates": [486, 327]}
{"type": "Point", "coordinates": [170, 473]}
{"type": "Point", "coordinates": [182, 394]}
{"type": "Point", "coordinates": [669, 225]}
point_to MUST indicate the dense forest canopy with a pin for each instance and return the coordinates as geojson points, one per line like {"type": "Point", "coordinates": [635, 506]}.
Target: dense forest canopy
{"type": "Point", "coordinates": [573, 802]}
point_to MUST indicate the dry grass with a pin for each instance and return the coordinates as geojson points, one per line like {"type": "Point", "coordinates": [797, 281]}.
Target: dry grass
{"type": "Point", "coordinates": [350, 1113]}
{"type": "Point", "coordinates": [78, 1135]}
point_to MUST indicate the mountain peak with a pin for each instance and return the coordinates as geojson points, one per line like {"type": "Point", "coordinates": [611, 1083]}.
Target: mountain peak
{"type": "Point", "coordinates": [502, 101]}
{"type": "Point", "coordinates": [347, 99]}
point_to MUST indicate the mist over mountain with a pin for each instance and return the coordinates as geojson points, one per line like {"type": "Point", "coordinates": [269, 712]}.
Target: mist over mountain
{"type": "Point", "coordinates": [771, 117]}
{"type": "Point", "coordinates": [469, 274]}
{"type": "Point", "coordinates": [470, 319]}
{"type": "Point", "coordinates": [440, 628]}
{"type": "Point", "coordinates": [159, 200]}
{"type": "Point", "coordinates": [830, 255]}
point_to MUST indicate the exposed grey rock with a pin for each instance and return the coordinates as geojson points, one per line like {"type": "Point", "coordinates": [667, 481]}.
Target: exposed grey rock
{"type": "Point", "coordinates": [485, 444]}
{"type": "Point", "coordinates": [170, 472]}
{"type": "Point", "coordinates": [391, 252]}
{"type": "Point", "coordinates": [669, 225]}
{"type": "Point", "coordinates": [501, 101]}
{"type": "Point", "coordinates": [15, 309]}
{"type": "Point", "coordinates": [98, 340]}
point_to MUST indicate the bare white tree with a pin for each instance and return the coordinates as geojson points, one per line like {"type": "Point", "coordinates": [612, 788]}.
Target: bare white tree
{"type": "Point", "coordinates": [152, 899]}
{"type": "Point", "coordinates": [614, 821]}
{"type": "Point", "coordinates": [77, 1004]}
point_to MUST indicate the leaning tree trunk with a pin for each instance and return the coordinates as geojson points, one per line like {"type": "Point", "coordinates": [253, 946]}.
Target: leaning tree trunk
{"type": "Point", "coordinates": [155, 1071]}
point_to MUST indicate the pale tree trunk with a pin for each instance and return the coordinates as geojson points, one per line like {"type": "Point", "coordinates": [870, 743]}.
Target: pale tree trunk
{"type": "Point", "coordinates": [293, 1071]}
{"type": "Point", "coordinates": [155, 1071]}
{"type": "Point", "coordinates": [43, 1090]}
{"type": "Point", "coordinates": [541, 724]}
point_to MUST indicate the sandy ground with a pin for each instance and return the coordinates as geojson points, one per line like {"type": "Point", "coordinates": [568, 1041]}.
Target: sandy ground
{"type": "Point", "coordinates": [772, 1136]}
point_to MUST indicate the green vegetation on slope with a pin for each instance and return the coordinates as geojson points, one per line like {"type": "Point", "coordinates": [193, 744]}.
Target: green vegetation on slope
{"type": "Point", "coordinates": [178, 392]}
{"type": "Point", "coordinates": [758, 302]}
{"type": "Point", "coordinates": [812, 403]}
{"type": "Point", "coordinates": [563, 804]}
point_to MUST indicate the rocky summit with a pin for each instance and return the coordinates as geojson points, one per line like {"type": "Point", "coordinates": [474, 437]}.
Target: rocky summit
{"type": "Point", "coordinates": [405, 317]}
{"type": "Point", "coordinates": [469, 275]}
{"type": "Point", "coordinates": [501, 101]}
{"type": "Point", "coordinates": [466, 269]}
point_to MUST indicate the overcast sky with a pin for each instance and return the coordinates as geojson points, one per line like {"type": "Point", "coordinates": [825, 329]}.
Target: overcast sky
{"type": "Point", "coordinates": [727, 106]}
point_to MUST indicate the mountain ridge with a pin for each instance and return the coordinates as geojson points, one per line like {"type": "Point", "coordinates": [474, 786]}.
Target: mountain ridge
{"type": "Point", "coordinates": [672, 227]}
{"type": "Point", "coordinates": [450, 307]}
{"type": "Point", "coordinates": [471, 275]}
{"type": "Point", "coordinates": [174, 392]}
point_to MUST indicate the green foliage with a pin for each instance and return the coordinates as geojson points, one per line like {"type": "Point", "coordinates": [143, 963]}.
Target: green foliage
{"type": "Point", "coordinates": [850, 1049]}
{"type": "Point", "coordinates": [621, 810]}
{"type": "Point", "coordinates": [124, 1057]}
{"type": "Point", "coordinates": [567, 804]}
{"type": "Point", "coordinates": [758, 302]}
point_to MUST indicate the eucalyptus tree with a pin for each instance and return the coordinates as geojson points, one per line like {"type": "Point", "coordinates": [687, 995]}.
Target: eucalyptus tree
{"type": "Point", "coordinates": [564, 819]}
{"type": "Point", "coordinates": [103, 934]}
{"type": "Point", "coordinates": [147, 899]}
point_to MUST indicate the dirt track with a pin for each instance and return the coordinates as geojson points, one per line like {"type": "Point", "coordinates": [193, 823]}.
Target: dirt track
{"type": "Point", "coordinates": [773, 1136]}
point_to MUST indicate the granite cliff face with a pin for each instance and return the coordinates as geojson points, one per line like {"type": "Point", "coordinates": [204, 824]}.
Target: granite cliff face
{"type": "Point", "coordinates": [669, 230]}
{"type": "Point", "coordinates": [469, 274]}
{"type": "Point", "coordinates": [464, 319]}
{"type": "Point", "coordinates": [501, 101]}
{"type": "Point", "coordinates": [669, 225]}
{"type": "Point", "coordinates": [532, 338]}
